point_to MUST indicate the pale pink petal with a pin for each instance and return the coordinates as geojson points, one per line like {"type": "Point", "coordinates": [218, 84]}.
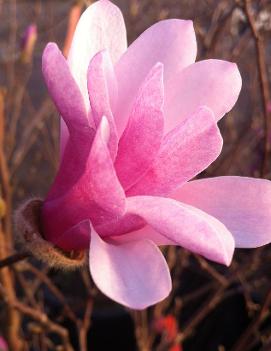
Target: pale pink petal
{"type": "Point", "coordinates": [213, 83]}
{"type": "Point", "coordinates": [142, 137]}
{"type": "Point", "coordinates": [100, 27]}
{"type": "Point", "coordinates": [147, 232]}
{"type": "Point", "coordinates": [242, 204]}
{"type": "Point", "coordinates": [102, 90]}
{"type": "Point", "coordinates": [63, 89]}
{"type": "Point", "coordinates": [186, 151]}
{"type": "Point", "coordinates": [89, 190]}
{"type": "Point", "coordinates": [185, 225]}
{"type": "Point", "coordinates": [171, 42]}
{"type": "Point", "coordinates": [134, 274]}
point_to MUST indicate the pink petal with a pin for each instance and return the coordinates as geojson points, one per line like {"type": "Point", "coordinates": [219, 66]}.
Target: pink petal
{"type": "Point", "coordinates": [186, 226]}
{"type": "Point", "coordinates": [147, 232]}
{"type": "Point", "coordinates": [100, 27]}
{"type": "Point", "coordinates": [64, 137]}
{"type": "Point", "coordinates": [88, 190]}
{"type": "Point", "coordinates": [242, 204]}
{"type": "Point", "coordinates": [75, 238]}
{"type": "Point", "coordinates": [213, 83]}
{"type": "Point", "coordinates": [63, 88]}
{"type": "Point", "coordinates": [104, 184]}
{"type": "Point", "coordinates": [142, 137]}
{"type": "Point", "coordinates": [171, 42]}
{"type": "Point", "coordinates": [186, 151]}
{"type": "Point", "coordinates": [121, 225]}
{"type": "Point", "coordinates": [134, 274]}
{"type": "Point", "coordinates": [102, 90]}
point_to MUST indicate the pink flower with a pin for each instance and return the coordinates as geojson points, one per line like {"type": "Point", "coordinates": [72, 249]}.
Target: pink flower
{"type": "Point", "coordinates": [137, 125]}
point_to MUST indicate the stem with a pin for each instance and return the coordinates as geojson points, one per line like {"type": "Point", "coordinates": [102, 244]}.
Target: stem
{"type": "Point", "coordinates": [260, 49]}
{"type": "Point", "coordinates": [8, 261]}
{"type": "Point", "coordinates": [253, 327]}
{"type": "Point", "coordinates": [13, 317]}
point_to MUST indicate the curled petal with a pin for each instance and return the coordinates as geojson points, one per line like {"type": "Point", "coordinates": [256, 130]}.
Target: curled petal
{"type": "Point", "coordinates": [134, 274]}
{"type": "Point", "coordinates": [142, 137]}
{"type": "Point", "coordinates": [105, 188]}
{"type": "Point", "coordinates": [242, 204]}
{"type": "Point", "coordinates": [102, 90]}
{"type": "Point", "coordinates": [186, 226]}
{"type": "Point", "coordinates": [102, 85]}
{"type": "Point", "coordinates": [185, 151]}
{"type": "Point", "coordinates": [63, 89]}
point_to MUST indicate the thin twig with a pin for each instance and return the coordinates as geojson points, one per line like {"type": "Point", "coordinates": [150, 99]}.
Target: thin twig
{"type": "Point", "coordinates": [85, 325]}
{"type": "Point", "coordinates": [44, 320]}
{"type": "Point", "coordinates": [265, 95]}
{"type": "Point", "coordinates": [248, 334]}
{"type": "Point", "coordinates": [10, 260]}
{"type": "Point", "coordinates": [54, 289]}
{"type": "Point", "coordinates": [212, 271]}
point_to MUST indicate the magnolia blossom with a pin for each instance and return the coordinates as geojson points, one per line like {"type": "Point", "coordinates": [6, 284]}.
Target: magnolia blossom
{"type": "Point", "coordinates": [137, 124]}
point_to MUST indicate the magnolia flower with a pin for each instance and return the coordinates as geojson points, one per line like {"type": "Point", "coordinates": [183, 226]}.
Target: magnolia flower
{"type": "Point", "coordinates": [137, 125]}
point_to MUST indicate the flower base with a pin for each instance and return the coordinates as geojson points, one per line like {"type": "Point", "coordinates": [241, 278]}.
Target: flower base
{"type": "Point", "coordinates": [29, 235]}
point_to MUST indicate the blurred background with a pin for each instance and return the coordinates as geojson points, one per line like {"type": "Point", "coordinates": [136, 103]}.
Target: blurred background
{"type": "Point", "coordinates": [211, 308]}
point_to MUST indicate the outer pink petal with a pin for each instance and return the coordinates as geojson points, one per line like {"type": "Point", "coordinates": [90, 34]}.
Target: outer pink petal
{"type": "Point", "coordinates": [106, 190]}
{"type": "Point", "coordinates": [100, 27]}
{"type": "Point", "coordinates": [142, 137]}
{"type": "Point", "coordinates": [64, 90]}
{"type": "Point", "coordinates": [76, 238]}
{"type": "Point", "coordinates": [134, 274]}
{"type": "Point", "coordinates": [186, 226]}
{"type": "Point", "coordinates": [242, 204]}
{"type": "Point", "coordinates": [186, 151]}
{"type": "Point", "coordinates": [171, 42]}
{"type": "Point", "coordinates": [86, 188]}
{"type": "Point", "coordinates": [102, 90]}
{"type": "Point", "coordinates": [119, 226]}
{"type": "Point", "coordinates": [213, 83]}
